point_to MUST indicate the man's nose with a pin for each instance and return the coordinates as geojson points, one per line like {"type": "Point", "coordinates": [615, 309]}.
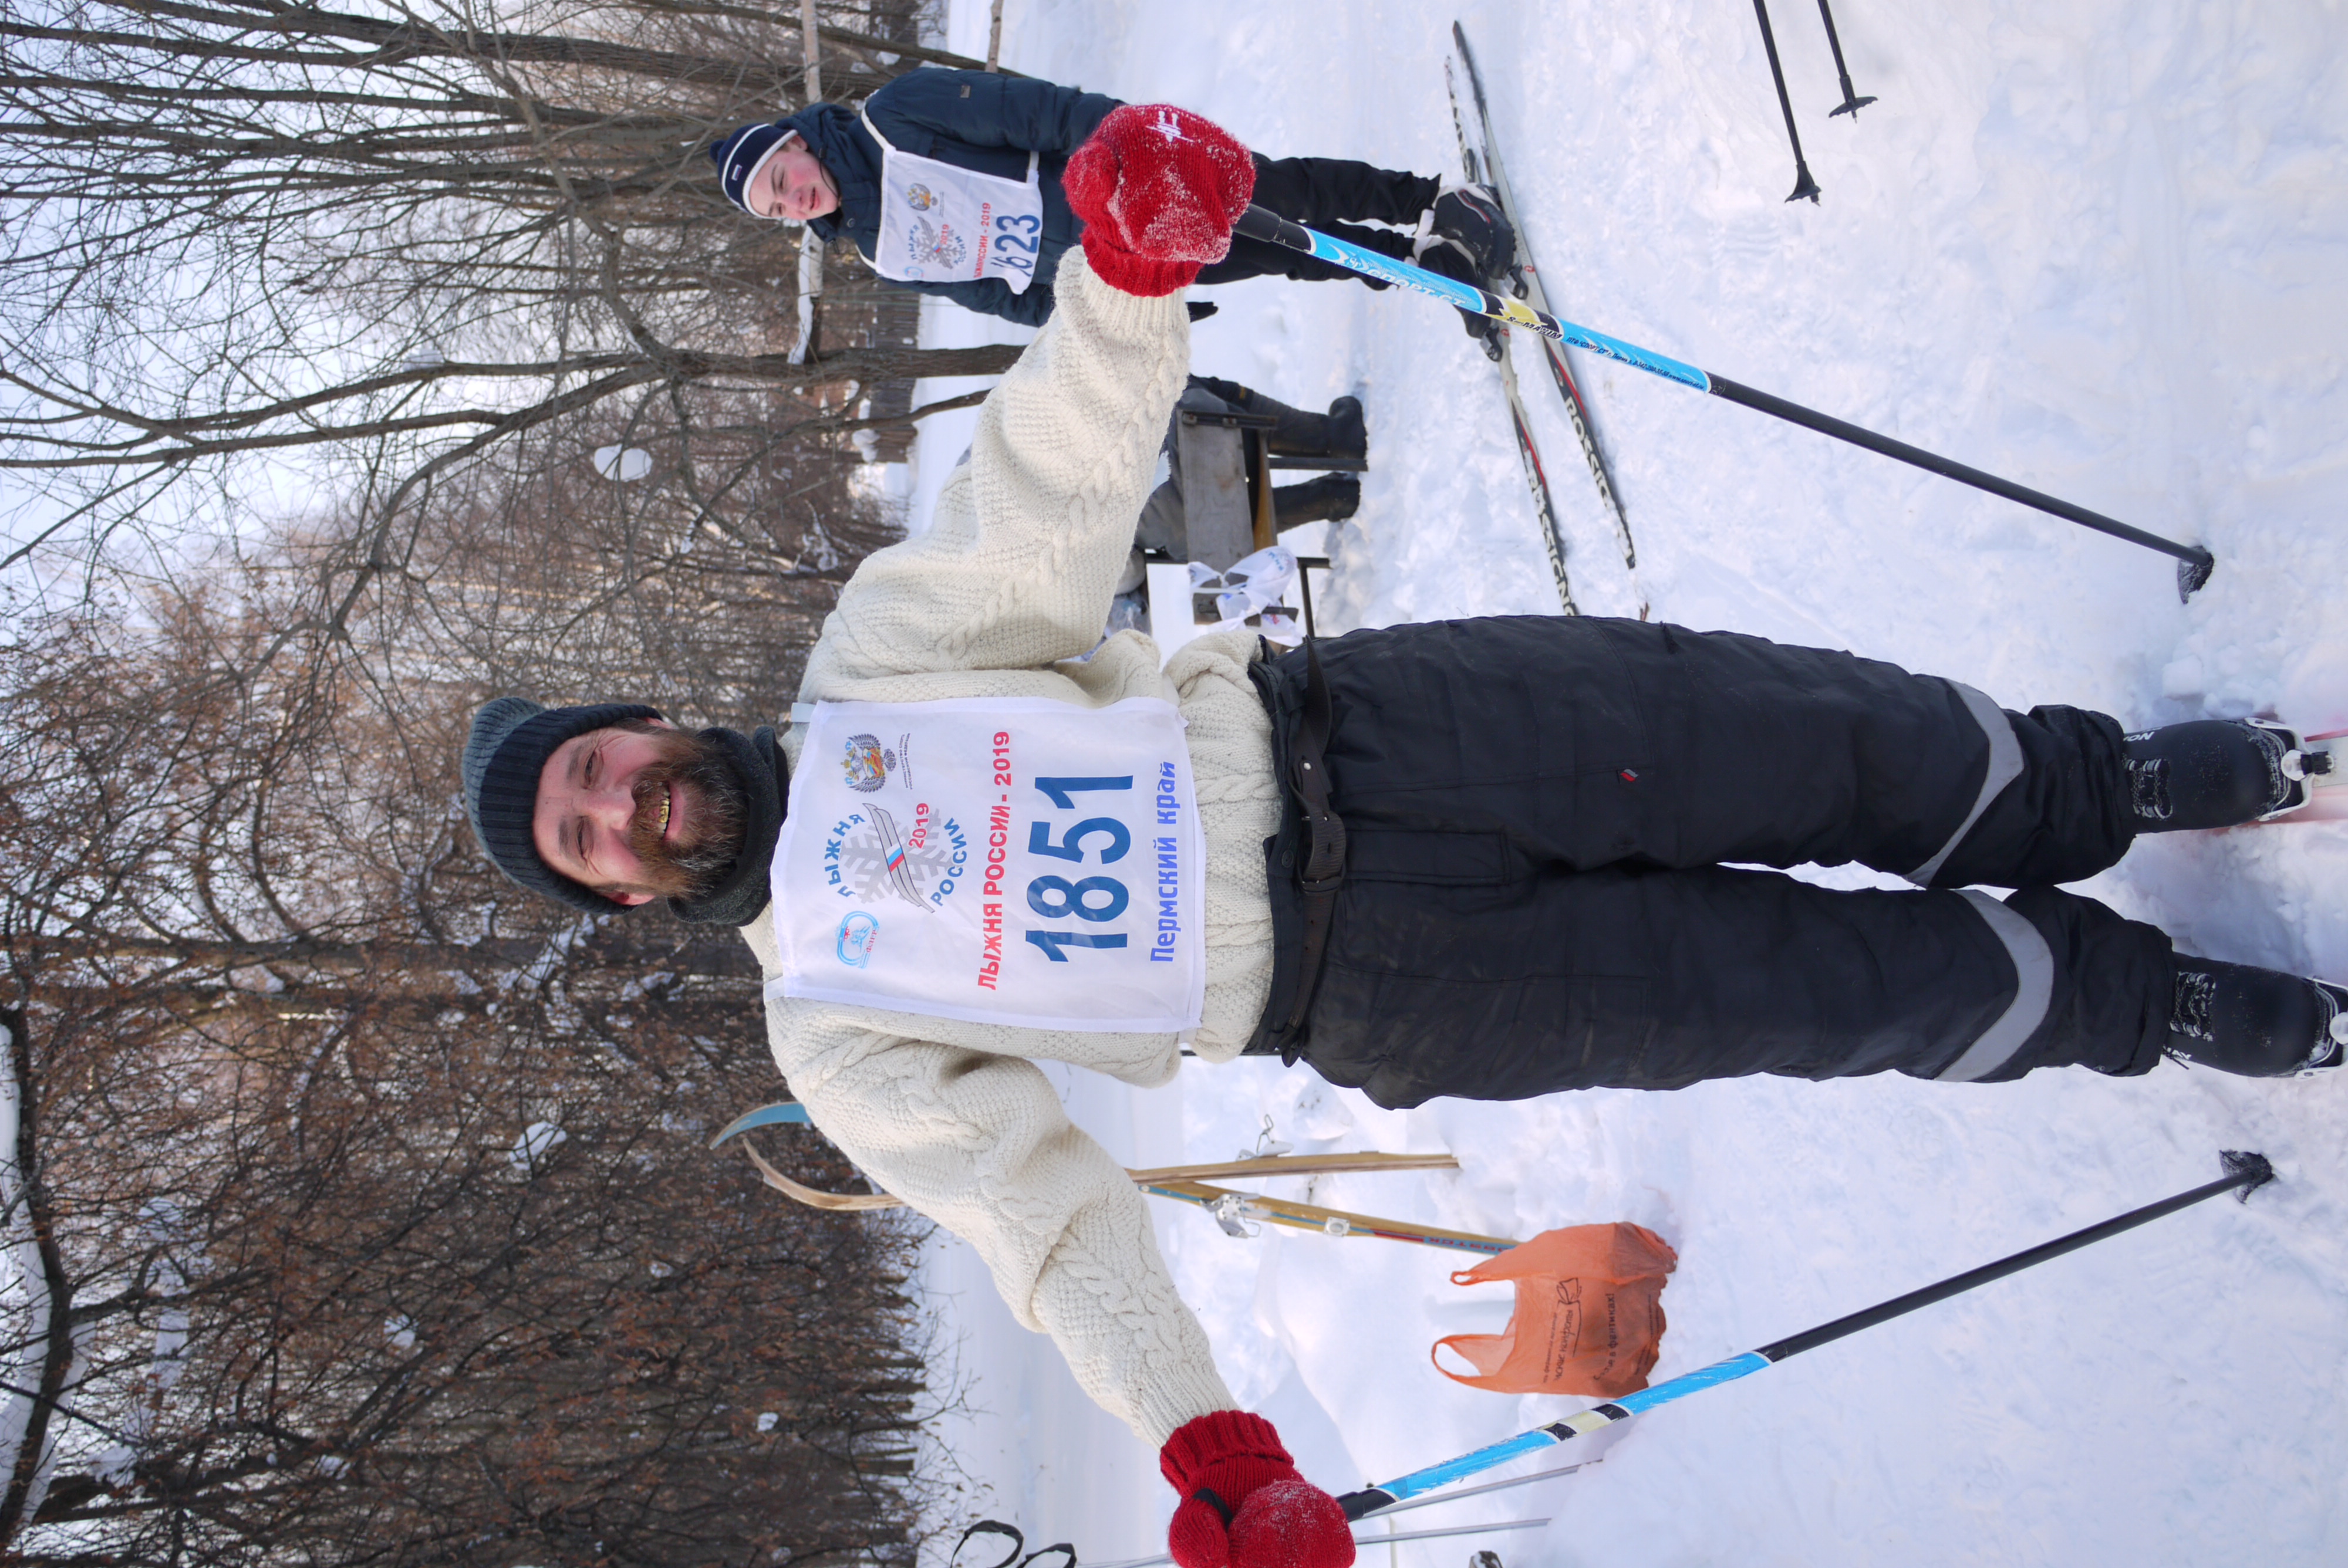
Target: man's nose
{"type": "Point", "coordinates": [612, 806]}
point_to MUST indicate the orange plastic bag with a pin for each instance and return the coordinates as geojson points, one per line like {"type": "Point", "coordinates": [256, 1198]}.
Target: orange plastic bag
{"type": "Point", "coordinates": [1589, 1318]}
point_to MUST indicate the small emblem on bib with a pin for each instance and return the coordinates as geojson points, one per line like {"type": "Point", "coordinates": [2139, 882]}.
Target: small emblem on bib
{"type": "Point", "coordinates": [867, 764]}
{"type": "Point", "coordinates": [857, 935]}
{"type": "Point", "coordinates": [935, 242]}
{"type": "Point", "coordinates": [919, 198]}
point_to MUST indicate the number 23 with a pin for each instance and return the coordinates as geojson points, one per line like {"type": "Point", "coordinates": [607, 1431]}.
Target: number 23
{"type": "Point", "coordinates": [1009, 231]}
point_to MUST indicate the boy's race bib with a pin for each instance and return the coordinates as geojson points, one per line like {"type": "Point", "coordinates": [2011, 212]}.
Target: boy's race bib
{"type": "Point", "coordinates": [1020, 861]}
{"type": "Point", "coordinates": [941, 224]}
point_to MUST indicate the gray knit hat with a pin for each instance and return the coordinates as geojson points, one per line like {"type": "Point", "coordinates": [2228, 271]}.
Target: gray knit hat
{"type": "Point", "coordinates": [512, 739]}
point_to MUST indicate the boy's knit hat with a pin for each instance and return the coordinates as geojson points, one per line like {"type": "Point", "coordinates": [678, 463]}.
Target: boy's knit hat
{"type": "Point", "coordinates": [512, 739]}
{"type": "Point", "coordinates": [741, 155]}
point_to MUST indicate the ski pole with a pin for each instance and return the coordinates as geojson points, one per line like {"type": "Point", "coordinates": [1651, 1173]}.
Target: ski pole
{"type": "Point", "coordinates": [1165, 1557]}
{"type": "Point", "coordinates": [2248, 1172]}
{"type": "Point", "coordinates": [1257, 223]}
{"type": "Point", "coordinates": [1467, 1491]}
{"type": "Point", "coordinates": [1852, 102]}
{"type": "Point", "coordinates": [1803, 184]}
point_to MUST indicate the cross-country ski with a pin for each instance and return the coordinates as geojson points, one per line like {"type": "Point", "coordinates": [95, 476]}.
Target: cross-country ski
{"type": "Point", "coordinates": [1499, 349]}
{"type": "Point", "coordinates": [1528, 285]}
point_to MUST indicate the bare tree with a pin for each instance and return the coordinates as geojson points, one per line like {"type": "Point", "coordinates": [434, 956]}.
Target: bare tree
{"type": "Point", "coordinates": [374, 1192]}
{"type": "Point", "coordinates": [256, 247]}
{"type": "Point", "coordinates": [366, 1192]}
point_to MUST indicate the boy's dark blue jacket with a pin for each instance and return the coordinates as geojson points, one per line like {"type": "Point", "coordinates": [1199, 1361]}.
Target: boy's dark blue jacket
{"type": "Point", "coordinates": [971, 119]}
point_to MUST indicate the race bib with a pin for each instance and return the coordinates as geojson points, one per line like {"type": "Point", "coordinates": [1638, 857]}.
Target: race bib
{"type": "Point", "coordinates": [1019, 861]}
{"type": "Point", "coordinates": [941, 224]}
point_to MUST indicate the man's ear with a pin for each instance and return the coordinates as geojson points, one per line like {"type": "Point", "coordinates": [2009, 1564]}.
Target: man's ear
{"type": "Point", "coordinates": [631, 899]}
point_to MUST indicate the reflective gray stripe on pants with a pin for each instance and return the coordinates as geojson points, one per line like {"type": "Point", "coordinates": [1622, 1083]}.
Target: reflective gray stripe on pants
{"type": "Point", "coordinates": [2033, 969]}
{"type": "Point", "coordinates": [2005, 767]}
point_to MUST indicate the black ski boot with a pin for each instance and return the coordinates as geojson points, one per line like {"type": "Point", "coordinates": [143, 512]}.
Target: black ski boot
{"type": "Point", "coordinates": [2217, 773]}
{"type": "Point", "coordinates": [1466, 238]}
{"type": "Point", "coordinates": [1468, 219]}
{"type": "Point", "coordinates": [2260, 1023]}
{"type": "Point", "coordinates": [1331, 498]}
{"type": "Point", "coordinates": [1340, 433]}
{"type": "Point", "coordinates": [1346, 434]}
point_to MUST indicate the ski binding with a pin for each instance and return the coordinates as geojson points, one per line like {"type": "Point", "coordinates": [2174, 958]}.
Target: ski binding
{"type": "Point", "coordinates": [2315, 763]}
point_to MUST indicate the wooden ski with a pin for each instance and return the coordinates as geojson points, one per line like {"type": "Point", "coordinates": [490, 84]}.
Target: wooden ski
{"type": "Point", "coordinates": [1163, 1175]}
{"type": "Point", "coordinates": [1231, 1209]}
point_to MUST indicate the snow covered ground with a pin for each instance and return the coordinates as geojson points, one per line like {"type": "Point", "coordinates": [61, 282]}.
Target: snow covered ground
{"type": "Point", "coordinates": [2100, 246]}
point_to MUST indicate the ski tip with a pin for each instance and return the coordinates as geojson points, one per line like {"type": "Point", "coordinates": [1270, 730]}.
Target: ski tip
{"type": "Point", "coordinates": [2256, 1167]}
{"type": "Point", "coordinates": [785, 1113]}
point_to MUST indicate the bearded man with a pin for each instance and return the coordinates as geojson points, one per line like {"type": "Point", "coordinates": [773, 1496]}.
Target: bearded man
{"type": "Point", "coordinates": [1479, 858]}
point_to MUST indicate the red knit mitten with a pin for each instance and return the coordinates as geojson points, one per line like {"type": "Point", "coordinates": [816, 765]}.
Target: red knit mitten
{"type": "Point", "coordinates": [1158, 189]}
{"type": "Point", "coordinates": [1243, 1505]}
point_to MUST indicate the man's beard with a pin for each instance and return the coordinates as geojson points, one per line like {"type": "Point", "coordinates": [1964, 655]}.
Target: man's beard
{"type": "Point", "coordinates": [715, 810]}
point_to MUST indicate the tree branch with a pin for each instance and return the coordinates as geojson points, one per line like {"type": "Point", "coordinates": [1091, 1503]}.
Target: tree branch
{"type": "Point", "coordinates": [57, 1359]}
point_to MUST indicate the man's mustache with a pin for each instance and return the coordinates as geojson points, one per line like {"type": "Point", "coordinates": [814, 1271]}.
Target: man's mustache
{"type": "Point", "coordinates": [690, 777]}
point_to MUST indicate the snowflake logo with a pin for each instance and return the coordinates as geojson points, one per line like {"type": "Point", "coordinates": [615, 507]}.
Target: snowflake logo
{"type": "Point", "coordinates": [876, 858]}
{"type": "Point", "coordinates": [935, 242]}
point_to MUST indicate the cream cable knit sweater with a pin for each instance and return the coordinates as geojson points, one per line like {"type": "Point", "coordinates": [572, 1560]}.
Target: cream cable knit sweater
{"type": "Point", "coordinates": [1016, 573]}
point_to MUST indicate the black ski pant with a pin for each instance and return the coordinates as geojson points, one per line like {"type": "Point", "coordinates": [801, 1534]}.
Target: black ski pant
{"type": "Point", "coordinates": [1552, 824]}
{"type": "Point", "coordinates": [1337, 196]}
